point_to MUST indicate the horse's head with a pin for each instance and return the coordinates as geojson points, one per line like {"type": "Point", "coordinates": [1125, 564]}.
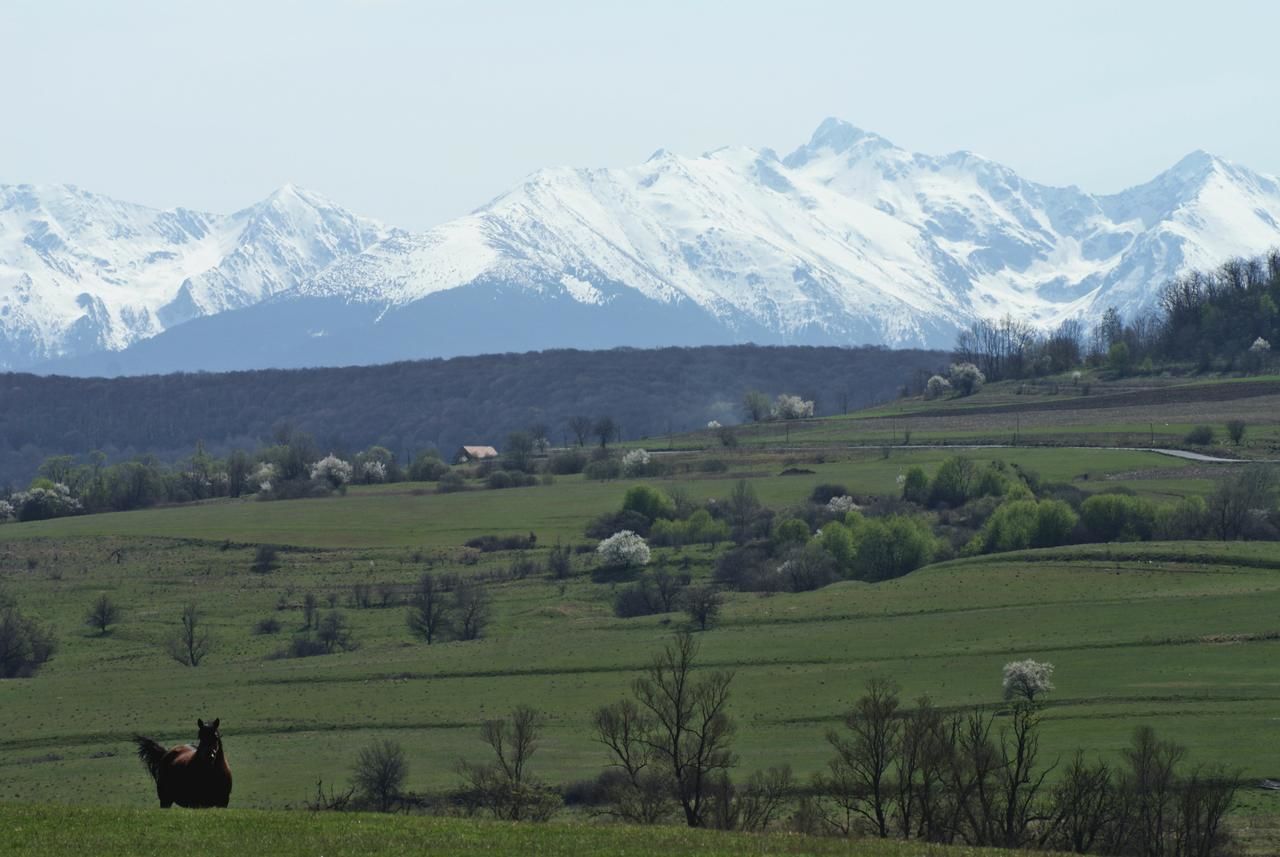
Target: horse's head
{"type": "Point", "coordinates": [210, 743]}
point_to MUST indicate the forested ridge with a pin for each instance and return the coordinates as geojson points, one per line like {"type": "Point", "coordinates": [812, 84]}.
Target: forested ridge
{"type": "Point", "coordinates": [414, 405]}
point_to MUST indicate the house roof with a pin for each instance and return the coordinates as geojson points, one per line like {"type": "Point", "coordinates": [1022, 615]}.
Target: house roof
{"type": "Point", "coordinates": [480, 451]}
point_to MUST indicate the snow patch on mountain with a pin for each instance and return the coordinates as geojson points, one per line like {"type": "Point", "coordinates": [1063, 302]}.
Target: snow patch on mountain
{"type": "Point", "coordinates": [81, 272]}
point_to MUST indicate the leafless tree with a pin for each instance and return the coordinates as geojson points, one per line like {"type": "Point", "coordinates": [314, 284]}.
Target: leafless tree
{"type": "Point", "coordinates": [857, 783]}
{"type": "Point", "coordinates": [505, 787]}
{"type": "Point", "coordinates": [472, 610]}
{"type": "Point", "coordinates": [428, 609]}
{"type": "Point", "coordinates": [643, 793]}
{"type": "Point", "coordinates": [190, 644]}
{"type": "Point", "coordinates": [103, 613]}
{"type": "Point", "coordinates": [702, 604]}
{"type": "Point", "coordinates": [581, 428]}
{"type": "Point", "coordinates": [380, 772]}
{"type": "Point", "coordinates": [691, 732]}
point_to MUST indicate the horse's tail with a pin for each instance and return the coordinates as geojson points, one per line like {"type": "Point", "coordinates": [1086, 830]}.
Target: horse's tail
{"type": "Point", "coordinates": [150, 752]}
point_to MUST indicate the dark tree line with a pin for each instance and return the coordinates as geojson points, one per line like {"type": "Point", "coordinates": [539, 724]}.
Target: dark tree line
{"type": "Point", "coordinates": [442, 403]}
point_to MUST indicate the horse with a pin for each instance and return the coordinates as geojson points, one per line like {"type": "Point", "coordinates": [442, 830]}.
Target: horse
{"type": "Point", "coordinates": [194, 776]}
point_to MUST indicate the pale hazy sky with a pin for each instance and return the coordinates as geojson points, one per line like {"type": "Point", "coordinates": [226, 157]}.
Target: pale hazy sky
{"type": "Point", "coordinates": [416, 112]}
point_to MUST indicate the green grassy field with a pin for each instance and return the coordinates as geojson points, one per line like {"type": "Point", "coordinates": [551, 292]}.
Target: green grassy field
{"type": "Point", "coordinates": [1182, 636]}
{"type": "Point", "coordinates": [45, 831]}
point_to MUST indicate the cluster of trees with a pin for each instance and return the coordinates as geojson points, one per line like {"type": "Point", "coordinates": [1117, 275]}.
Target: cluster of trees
{"type": "Point", "coordinates": [976, 778]}
{"type": "Point", "coordinates": [1226, 319]}
{"type": "Point", "coordinates": [757, 408]}
{"type": "Point", "coordinates": [906, 771]}
{"type": "Point", "coordinates": [428, 403]}
{"type": "Point", "coordinates": [448, 608]}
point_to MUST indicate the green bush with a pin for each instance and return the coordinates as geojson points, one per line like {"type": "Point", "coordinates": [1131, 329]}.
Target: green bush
{"type": "Point", "coordinates": [790, 533]}
{"type": "Point", "coordinates": [891, 547]}
{"type": "Point", "coordinates": [427, 467]}
{"type": "Point", "coordinates": [837, 540]}
{"type": "Point", "coordinates": [1117, 517]}
{"type": "Point", "coordinates": [915, 486]}
{"type": "Point", "coordinates": [699, 528]}
{"type": "Point", "coordinates": [567, 463]}
{"type": "Point", "coordinates": [1188, 519]}
{"type": "Point", "coordinates": [1021, 524]}
{"type": "Point", "coordinates": [651, 503]}
{"type": "Point", "coordinates": [603, 469]}
{"type": "Point", "coordinates": [451, 482]}
{"type": "Point", "coordinates": [1200, 436]}
{"type": "Point", "coordinates": [954, 482]}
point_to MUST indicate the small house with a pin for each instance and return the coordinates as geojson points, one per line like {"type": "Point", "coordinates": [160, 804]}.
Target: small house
{"type": "Point", "coordinates": [468, 454]}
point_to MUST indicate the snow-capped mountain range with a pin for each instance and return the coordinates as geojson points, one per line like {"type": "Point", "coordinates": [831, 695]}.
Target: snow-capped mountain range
{"type": "Point", "coordinates": [82, 273]}
{"type": "Point", "coordinates": [848, 239]}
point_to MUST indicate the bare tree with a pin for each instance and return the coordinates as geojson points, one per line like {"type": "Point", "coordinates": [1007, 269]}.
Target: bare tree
{"type": "Point", "coordinates": [472, 610]}
{"type": "Point", "coordinates": [380, 771]}
{"type": "Point", "coordinates": [702, 604]}
{"type": "Point", "coordinates": [505, 787]}
{"type": "Point", "coordinates": [754, 805]}
{"type": "Point", "coordinates": [643, 792]}
{"type": "Point", "coordinates": [334, 632]}
{"type": "Point", "coordinates": [690, 733]}
{"type": "Point", "coordinates": [428, 609]}
{"type": "Point", "coordinates": [309, 607]}
{"type": "Point", "coordinates": [190, 644]}
{"type": "Point", "coordinates": [103, 613]}
{"type": "Point", "coordinates": [857, 784]}
{"type": "Point", "coordinates": [667, 586]}
{"type": "Point", "coordinates": [581, 428]}
{"type": "Point", "coordinates": [605, 430]}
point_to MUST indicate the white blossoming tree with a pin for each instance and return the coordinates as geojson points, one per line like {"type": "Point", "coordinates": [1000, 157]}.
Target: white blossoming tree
{"type": "Point", "coordinates": [788, 407]}
{"type": "Point", "coordinates": [1025, 680]}
{"type": "Point", "coordinates": [713, 424]}
{"type": "Point", "coordinates": [1260, 346]}
{"type": "Point", "coordinates": [332, 470]}
{"type": "Point", "coordinates": [636, 462]}
{"type": "Point", "coordinates": [623, 549]}
{"type": "Point", "coordinates": [966, 378]}
{"type": "Point", "coordinates": [40, 502]}
{"type": "Point", "coordinates": [841, 505]}
{"type": "Point", "coordinates": [6, 511]}
{"type": "Point", "coordinates": [936, 387]}
{"type": "Point", "coordinates": [261, 478]}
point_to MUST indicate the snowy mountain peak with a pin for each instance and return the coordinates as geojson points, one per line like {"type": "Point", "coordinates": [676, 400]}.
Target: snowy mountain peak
{"type": "Point", "coordinates": [849, 239]}
{"type": "Point", "coordinates": [81, 272]}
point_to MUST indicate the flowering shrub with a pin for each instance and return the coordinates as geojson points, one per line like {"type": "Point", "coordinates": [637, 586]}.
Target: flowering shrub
{"type": "Point", "coordinates": [625, 549]}
{"type": "Point", "coordinates": [46, 501]}
{"type": "Point", "coordinates": [936, 387]}
{"type": "Point", "coordinates": [333, 470]}
{"type": "Point", "coordinates": [1027, 679]}
{"type": "Point", "coordinates": [841, 505]}
{"type": "Point", "coordinates": [636, 462]}
{"type": "Point", "coordinates": [261, 478]}
{"type": "Point", "coordinates": [789, 407]}
{"type": "Point", "coordinates": [373, 471]}
{"type": "Point", "coordinates": [6, 511]}
{"type": "Point", "coordinates": [713, 425]}
{"type": "Point", "coordinates": [1260, 346]}
{"type": "Point", "coordinates": [967, 378]}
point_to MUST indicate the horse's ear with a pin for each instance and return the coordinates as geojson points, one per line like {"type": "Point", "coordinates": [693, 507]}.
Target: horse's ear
{"type": "Point", "coordinates": [215, 724]}
{"type": "Point", "coordinates": [200, 722]}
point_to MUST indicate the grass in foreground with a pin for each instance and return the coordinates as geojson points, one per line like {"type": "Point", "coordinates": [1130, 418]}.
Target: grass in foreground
{"type": "Point", "coordinates": [54, 830]}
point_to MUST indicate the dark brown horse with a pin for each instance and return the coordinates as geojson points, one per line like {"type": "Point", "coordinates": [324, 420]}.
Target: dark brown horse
{"type": "Point", "coordinates": [192, 776]}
